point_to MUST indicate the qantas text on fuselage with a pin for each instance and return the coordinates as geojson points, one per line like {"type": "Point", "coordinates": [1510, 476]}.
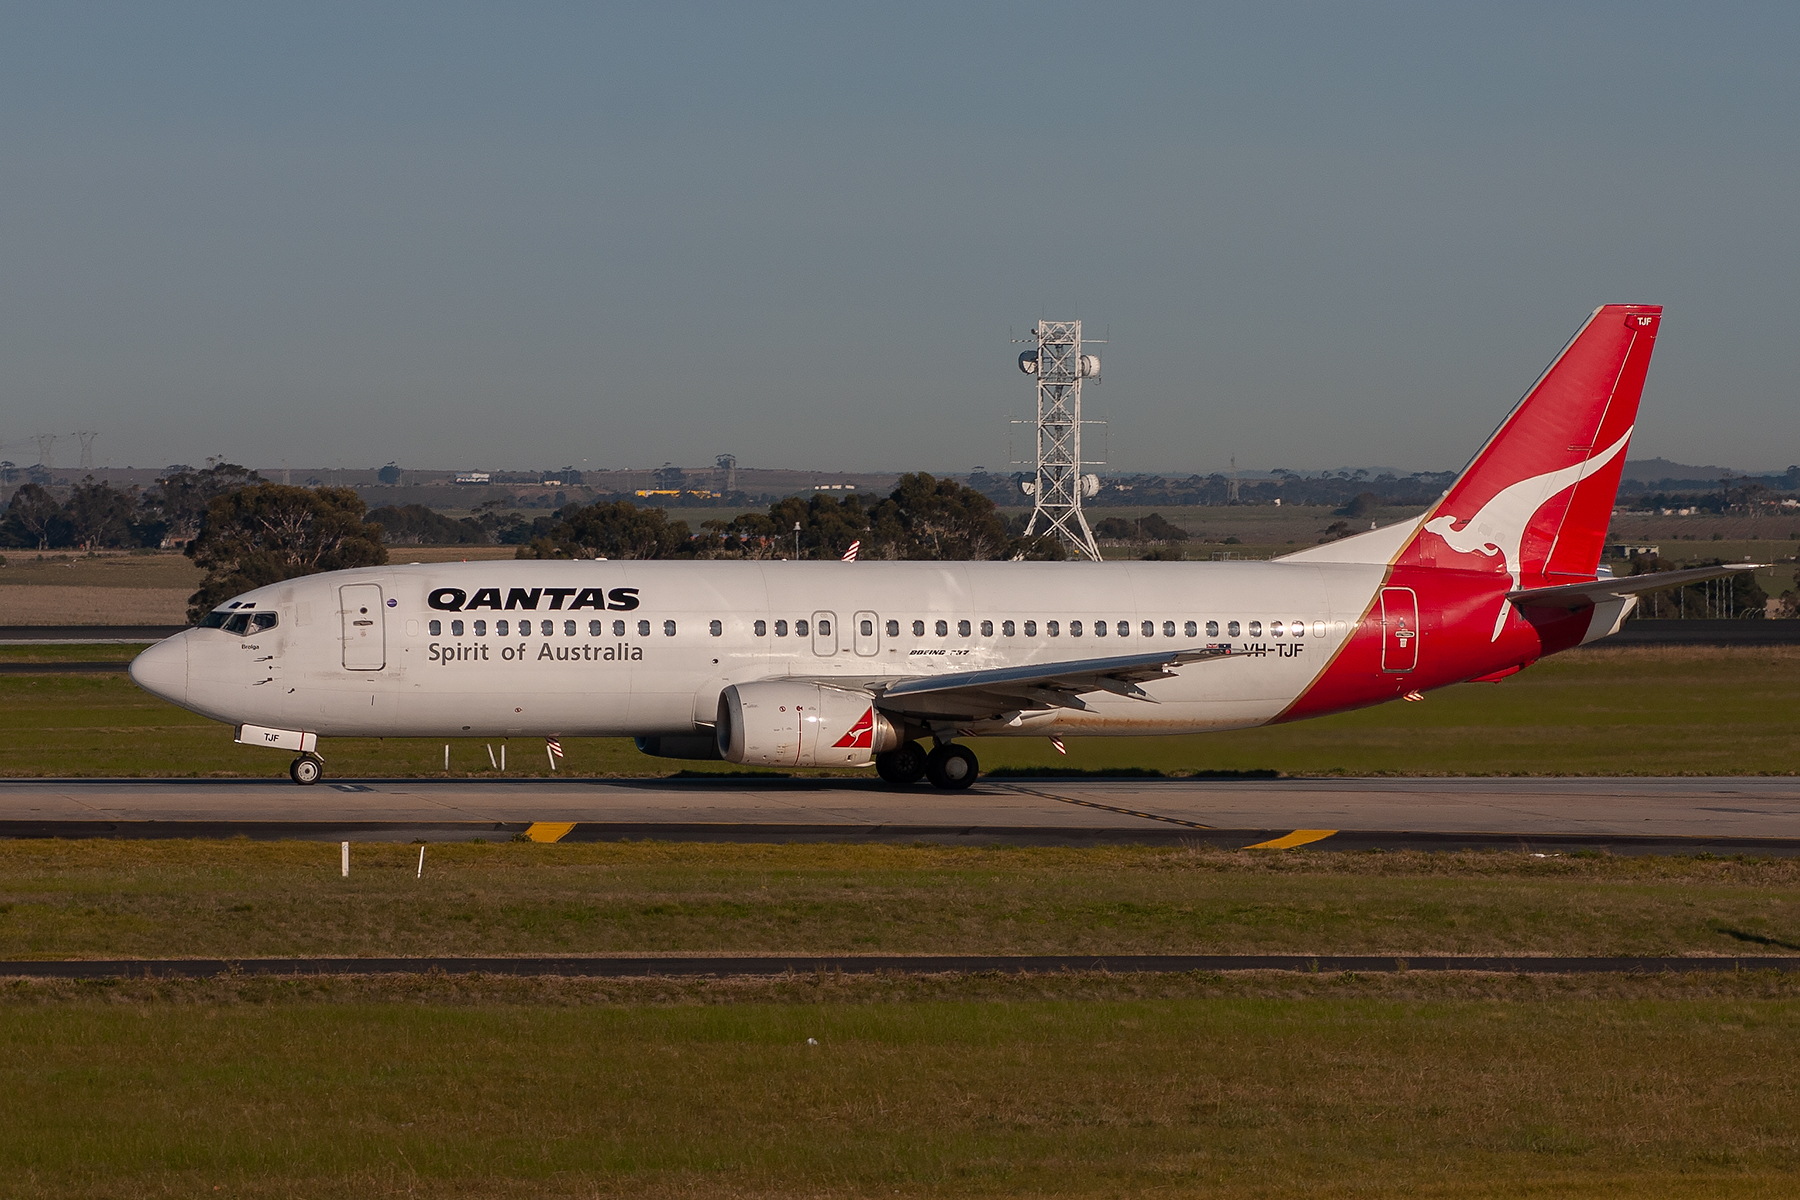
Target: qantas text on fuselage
{"type": "Point", "coordinates": [833, 663]}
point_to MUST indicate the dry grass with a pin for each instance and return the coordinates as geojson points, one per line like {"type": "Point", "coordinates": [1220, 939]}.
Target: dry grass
{"type": "Point", "coordinates": [1075, 1086]}
{"type": "Point", "coordinates": [239, 899]}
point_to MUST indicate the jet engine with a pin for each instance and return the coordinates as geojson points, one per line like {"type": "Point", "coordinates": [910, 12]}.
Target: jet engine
{"type": "Point", "coordinates": [782, 724]}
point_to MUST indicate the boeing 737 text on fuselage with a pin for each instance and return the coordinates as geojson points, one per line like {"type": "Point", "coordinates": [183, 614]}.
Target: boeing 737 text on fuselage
{"type": "Point", "coordinates": [803, 664]}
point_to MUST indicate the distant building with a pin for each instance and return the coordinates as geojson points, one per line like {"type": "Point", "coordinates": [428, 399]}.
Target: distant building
{"type": "Point", "coordinates": [1623, 551]}
{"type": "Point", "coordinates": [474, 477]}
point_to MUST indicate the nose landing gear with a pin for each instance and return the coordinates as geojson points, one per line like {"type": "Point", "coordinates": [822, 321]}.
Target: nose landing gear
{"type": "Point", "coordinates": [306, 770]}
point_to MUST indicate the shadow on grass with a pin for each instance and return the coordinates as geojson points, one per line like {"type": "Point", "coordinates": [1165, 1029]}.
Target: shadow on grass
{"type": "Point", "coordinates": [1756, 938]}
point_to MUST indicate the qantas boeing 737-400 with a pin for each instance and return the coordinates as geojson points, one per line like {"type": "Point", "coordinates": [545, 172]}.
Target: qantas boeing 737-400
{"type": "Point", "coordinates": [804, 664]}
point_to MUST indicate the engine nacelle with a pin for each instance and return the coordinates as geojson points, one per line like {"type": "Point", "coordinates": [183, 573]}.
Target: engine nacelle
{"type": "Point", "coordinates": [781, 724]}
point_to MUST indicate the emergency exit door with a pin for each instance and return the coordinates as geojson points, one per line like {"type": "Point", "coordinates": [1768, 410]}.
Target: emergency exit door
{"type": "Point", "coordinates": [1399, 629]}
{"type": "Point", "coordinates": [825, 642]}
{"type": "Point", "coordinates": [365, 627]}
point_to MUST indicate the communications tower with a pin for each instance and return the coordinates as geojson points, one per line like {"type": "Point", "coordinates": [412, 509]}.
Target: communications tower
{"type": "Point", "coordinates": [1057, 491]}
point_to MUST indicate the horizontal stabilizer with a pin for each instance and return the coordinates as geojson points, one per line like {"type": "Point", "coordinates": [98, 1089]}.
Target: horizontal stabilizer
{"type": "Point", "coordinates": [1580, 595]}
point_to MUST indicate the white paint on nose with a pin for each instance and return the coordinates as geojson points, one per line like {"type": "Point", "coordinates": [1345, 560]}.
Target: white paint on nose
{"type": "Point", "coordinates": [162, 670]}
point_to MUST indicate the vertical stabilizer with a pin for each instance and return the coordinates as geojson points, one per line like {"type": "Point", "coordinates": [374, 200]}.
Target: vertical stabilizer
{"type": "Point", "coordinates": [1535, 502]}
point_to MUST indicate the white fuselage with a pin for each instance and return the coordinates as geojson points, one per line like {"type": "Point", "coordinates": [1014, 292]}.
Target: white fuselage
{"type": "Point", "coordinates": [674, 634]}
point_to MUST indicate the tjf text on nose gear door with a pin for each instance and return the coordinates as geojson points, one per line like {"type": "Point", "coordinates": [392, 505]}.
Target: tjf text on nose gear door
{"type": "Point", "coordinates": [365, 627]}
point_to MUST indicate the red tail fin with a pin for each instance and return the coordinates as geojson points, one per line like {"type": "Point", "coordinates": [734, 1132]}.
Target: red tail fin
{"type": "Point", "coordinates": [1536, 501]}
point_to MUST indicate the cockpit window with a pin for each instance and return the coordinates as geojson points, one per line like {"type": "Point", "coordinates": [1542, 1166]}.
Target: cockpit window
{"type": "Point", "coordinates": [213, 620]}
{"type": "Point", "coordinates": [264, 620]}
{"type": "Point", "coordinates": [237, 623]}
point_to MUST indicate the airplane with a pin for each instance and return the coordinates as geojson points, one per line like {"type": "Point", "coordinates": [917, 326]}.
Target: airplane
{"type": "Point", "coordinates": [832, 664]}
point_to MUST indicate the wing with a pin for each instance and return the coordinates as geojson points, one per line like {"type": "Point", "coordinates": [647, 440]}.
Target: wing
{"type": "Point", "coordinates": [1580, 595]}
{"type": "Point", "coordinates": [976, 695]}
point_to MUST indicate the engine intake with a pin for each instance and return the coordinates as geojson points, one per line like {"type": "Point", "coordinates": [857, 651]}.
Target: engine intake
{"type": "Point", "coordinates": [781, 724]}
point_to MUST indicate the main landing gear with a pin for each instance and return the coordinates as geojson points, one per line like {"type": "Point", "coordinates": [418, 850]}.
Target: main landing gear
{"type": "Point", "coordinates": [306, 769]}
{"type": "Point", "coordinates": [948, 766]}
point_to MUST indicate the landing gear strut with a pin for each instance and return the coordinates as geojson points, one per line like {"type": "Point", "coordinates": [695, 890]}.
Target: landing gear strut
{"type": "Point", "coordinates": [305, 770]}
{"type": "Point", "coordinates": [904, 765]}
{"type": "Point", "coordinates": [951, 766]}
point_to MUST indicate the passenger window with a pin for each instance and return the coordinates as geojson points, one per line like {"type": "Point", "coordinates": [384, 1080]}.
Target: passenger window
{"type": "Point", "coordinates": [918, 629]}
{"type": "Point", "coordinates": [761, 628]}
{"type": "Point", "coordinates": [481, 629]}
{"type": "Point", "coordinates": [1318, 629]}
{"type": "Point", "coordinates": [1212, 629]}
{"type": "Point", "coordinates": [962, 629]}
{"type": "Point", "coordinates": [893, 629]}
{"type": "Point", "coordinates": [866, 628]}
{"type": "Point", "coordinates": [781, 629]}
{"type": "Point", "coordinates": [1298, 629]}
{"type": "Point", "coordinates": [568, 629]}
{"type": "Point", "coordinates": [1051, 628]}
{"type": "Point", "coordinates": [717, 629]}
{"type": "Point", "coordinates": [502, 628]}
{"type": "Point", "coordinates": [668, 629]}
{"type": "Point", "coordinates": [264, 620]}
{"type": "Point", "coordinates": [1149, 629]}
{"type": "Point", "coordinates": [802, 629]}
{"type": "Point", "coordinates": [643, 629]}
{"type": "Point", "coordinates": [524, 628]}
{"type": "Point", "coordinates": [1074, 628]}
{"type": "Point", "coordinates": [987, 629]}
{"type": "Point", "coordinates": [1256, 629]}
{"type": "Point", "coordinates": [595, 628]}
{"type": "Point", "coordinates": [1031, 629]}
{"type": "Point", "coordinates": [456, 629]}
{"type": "Point", "coordinates": [437, 628]}
{"type": "Point", "coordinates": [1099, 629]}
{"type": "Point", "coordinates": [943, 629]}
{"type": "Point", "coordinates": [1124, 628]}
{"type": "Point", "coordinates": [547, 627]}
{"type": "Point", "coordinates": [1006, 629]}
{"type": "Point", "coordinates": [1169, 629]}
{"type": "Point", "coordinates": [824, 628]}
{"type": "Point", "coordinates": [1231, 628]}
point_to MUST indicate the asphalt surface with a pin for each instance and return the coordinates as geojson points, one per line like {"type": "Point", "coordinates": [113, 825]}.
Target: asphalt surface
{"type": "Point", "coordinates": [1758, 815]}
{"type": "Point", "coordinates": [907, 964]}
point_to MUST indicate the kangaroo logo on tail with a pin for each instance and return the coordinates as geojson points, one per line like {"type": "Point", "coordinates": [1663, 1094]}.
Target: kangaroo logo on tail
{"type": "Point", "coordinates": [1499, 527]}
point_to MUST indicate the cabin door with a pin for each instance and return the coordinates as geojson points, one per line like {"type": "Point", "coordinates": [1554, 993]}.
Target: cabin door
{"type": "Point", "coordinates": [1399, 629]}
{"type": "Point", "coordinates": [365, 627]}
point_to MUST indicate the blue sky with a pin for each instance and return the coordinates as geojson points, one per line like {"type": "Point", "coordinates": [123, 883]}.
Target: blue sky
{"type": "Point", "coordinates": [515, 235]}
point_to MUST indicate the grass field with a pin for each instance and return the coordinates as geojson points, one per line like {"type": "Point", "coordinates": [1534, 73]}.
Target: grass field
{"type": "Point", "coordinates": [1626, 711]}
{"type": "Point", "coordinates": [1078, 1086]}
{"type": "Point", "coordinates": [235, 899]}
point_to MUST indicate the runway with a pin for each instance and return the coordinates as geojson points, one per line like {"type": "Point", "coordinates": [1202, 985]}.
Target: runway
{"type": "Point", "coordinates": [1758, 815]}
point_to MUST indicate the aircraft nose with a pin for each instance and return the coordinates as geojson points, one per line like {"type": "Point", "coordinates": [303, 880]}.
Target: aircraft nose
{"type": "Point", "coordinates": [162, 670]}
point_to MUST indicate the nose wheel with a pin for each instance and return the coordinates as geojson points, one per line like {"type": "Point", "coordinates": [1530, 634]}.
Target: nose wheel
{"type": "Point", "coordinates": [305, 770]}
{"type": "Point", "coordinates": [951, 767]}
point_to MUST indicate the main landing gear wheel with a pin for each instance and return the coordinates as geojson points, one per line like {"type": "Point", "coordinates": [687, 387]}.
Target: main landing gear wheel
{"type": "Point", "coordinates": [904, 765]}
{"type": "Point", "coordinates": [305, 770]}
{"type": "Point", "coordinates": [951, 766]}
